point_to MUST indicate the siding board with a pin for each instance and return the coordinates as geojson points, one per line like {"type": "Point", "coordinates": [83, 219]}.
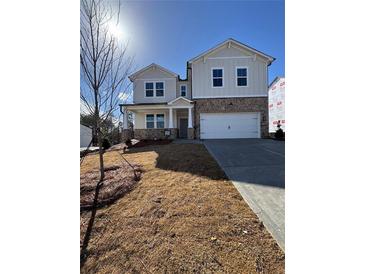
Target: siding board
{"type": "Point", "coordinates": [201, 73]}
{"type": "Point", "coordinates": [154, 75]}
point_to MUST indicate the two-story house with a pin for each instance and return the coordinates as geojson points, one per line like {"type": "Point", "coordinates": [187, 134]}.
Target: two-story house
{"type": "Point", "coordinates": [224, 96]}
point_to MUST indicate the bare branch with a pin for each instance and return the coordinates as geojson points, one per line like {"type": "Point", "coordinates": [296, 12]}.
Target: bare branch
{"type": "Point", "coordinates": [104, 64]}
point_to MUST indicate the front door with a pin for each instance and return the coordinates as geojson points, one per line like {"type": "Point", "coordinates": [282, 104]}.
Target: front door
{"type": "Point", "coordinates": [183, 130]}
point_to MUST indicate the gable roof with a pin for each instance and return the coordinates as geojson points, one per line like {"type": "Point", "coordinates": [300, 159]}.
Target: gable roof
{"type": "Point", "coordinates": [153, 65]}
{"type": "Point", "coordinates": [237, 43]}
{"type": "Point", "coordinates": [179, 98]}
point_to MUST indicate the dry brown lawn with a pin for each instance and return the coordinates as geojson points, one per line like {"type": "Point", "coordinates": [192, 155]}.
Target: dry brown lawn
{"type": "Point", "coordinates": [183, 216]}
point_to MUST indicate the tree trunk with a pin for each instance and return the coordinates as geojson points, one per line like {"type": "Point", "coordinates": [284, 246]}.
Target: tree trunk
{"type": "Point", "coordinates": [101, 157]}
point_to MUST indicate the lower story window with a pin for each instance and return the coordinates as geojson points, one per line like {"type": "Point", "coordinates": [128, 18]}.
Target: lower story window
{"type": "Point", "coordinates": [150, 121]}
{"type": "Point", "coordinates": [160, 120]}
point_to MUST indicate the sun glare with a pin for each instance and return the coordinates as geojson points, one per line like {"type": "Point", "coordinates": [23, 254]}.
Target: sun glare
{"type": "Point", "coordinates": [116, 31]}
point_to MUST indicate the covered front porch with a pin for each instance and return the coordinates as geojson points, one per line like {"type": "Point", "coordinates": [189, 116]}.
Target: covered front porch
{"type": "Point", "coordinates": [161, 120]}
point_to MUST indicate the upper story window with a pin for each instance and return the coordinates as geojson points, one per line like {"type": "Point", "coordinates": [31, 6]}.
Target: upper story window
{"type": "Point", "coordinates": [217, 77]}
{"type": "Point", "coordinates": [150, 121]}
{"type": "Point", "coordinates": [149, 89]}
{"type": "Point", "coordinates": [154, 89]}
{"type": "Point", "coordinates": [241, 77]}
{"type": "Point", "coordinates": [160, 89]}
{"type": "Point", "coordinates": [183, 90]}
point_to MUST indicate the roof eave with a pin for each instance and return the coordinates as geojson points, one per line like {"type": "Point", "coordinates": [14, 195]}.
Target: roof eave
{"type": "Point", "coordinates": [270, 58]}
{"type": "Point", "coordinates": [132, 77]}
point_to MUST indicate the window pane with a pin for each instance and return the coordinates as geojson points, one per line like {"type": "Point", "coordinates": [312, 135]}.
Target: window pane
{"type": "Point", "coordinates": [160, 120]}
{"type": "Point", "coordinates": [160, 117]}
{"type": "Point", "coordinates": [159, 92]}
{"type": "Point", "coordinates": [217, 72]}
{"type": "Point", "coordinates": [149, 93]}
{"type": "Point", "coordinates": [183, 90]}
{"type": "Point", "coordinates": [149, 85]}
{"type": "Point", "coordinates": [149, 89]}
{"type": "Point", "coordinates": [217, 82]}
{"type": "Point", "coordinates": [241, 81]}
{"type": "Point", "coordinates": [150, 117]}
{"type": "Point", "coordinates": [159, 85]}
{"type": "Point", "coordinates": [241, 72]}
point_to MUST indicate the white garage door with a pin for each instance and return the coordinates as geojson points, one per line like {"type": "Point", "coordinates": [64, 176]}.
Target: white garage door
{"type": "Point", "coordinates": [229, 125]}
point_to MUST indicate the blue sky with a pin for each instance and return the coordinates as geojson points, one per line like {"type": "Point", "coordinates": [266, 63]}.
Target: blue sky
{"type": "Point", "coordinates": [170, 33]}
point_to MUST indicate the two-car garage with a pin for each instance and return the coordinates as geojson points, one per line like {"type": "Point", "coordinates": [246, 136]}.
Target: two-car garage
{"type": "Point", "coordinates": [230, 125]}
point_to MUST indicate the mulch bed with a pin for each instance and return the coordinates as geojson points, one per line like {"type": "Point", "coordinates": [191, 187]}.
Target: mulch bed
{"type": "Point", "coordinates": [119, 179]}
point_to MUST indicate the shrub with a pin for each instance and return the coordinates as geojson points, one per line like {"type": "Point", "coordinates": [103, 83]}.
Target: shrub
{"type": "Point", "coordinates": [106, 144]}
{"type": "Point", "coordinates": [279, 134]}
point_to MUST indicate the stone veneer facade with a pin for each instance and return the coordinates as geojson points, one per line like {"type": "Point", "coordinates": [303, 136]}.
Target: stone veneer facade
{"type": "Point", "coordinates": [127, 134]}
{"type": "Point", "coordinates": [191, 134]}
{"type": "Point", "coordinates": [226, 105]}
{"type": "Point", "coordinates": [154, 133]}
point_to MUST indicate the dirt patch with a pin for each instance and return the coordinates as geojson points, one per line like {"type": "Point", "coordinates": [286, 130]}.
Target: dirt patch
{"type": "Point", "coordinates": [184, 216]}
{"type": "Point", "coordinates": [119, 179]}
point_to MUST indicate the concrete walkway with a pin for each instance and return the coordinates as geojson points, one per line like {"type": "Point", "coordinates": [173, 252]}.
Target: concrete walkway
{"type": "Point", "coordinates": [257, 169]}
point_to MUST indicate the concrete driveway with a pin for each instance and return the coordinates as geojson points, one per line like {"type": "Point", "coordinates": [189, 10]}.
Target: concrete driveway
{"type": "Point", "coordinates": [257, 169]}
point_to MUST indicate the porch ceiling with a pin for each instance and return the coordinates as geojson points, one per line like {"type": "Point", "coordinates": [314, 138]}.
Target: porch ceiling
{"type": "Point", "coordinates": [157, 106]}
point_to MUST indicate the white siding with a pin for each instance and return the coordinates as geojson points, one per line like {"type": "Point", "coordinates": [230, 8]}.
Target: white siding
{"type": "Point", "coordinates": [154, 75]}
{"type": "Point", "coordinates": [277, 105]}
{"type": "Point", "coordinates": [229, 59]}
{"type": "Point", "coordinates": [188, 89]}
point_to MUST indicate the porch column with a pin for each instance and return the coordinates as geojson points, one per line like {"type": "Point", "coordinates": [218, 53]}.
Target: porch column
{"type": "Point", "coordinates": [125, 118]}
{"type": "Point", "coordinates": [170, 119]}
{"type": "Point", "coordinates": [190, 122]}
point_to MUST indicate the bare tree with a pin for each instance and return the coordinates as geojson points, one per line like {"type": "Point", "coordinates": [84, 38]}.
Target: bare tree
{"type": "Point", "coordinates": [104, 64]}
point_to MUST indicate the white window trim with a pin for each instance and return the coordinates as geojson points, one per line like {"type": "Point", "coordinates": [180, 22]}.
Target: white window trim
{"type": "Point", "coordinates": [186, 90]}
{"type": "Point", "coordinates": [211, 76]}
{"type": "Point", "coordinates": [164, 89]}
{"type": "Point", "coordinates": [164, 122]}
{"type": "Point", "coordinates": [154, 88]}
{"type": "Point", "coordinates": [155, 120]}
{"type": "Point", "coordinates": [240, 67]}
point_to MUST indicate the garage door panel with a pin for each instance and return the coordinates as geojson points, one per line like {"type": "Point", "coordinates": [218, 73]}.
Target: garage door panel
{"type": "Point", "coordinates": [229, 125]}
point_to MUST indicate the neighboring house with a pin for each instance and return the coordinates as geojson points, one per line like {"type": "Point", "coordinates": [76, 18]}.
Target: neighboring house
{"type": "Point", "coordinates": [86, 136]}
{"type": "Point", "coordinates": [224, 96]}
{"type": "Point", "coordinates": [277, 104]}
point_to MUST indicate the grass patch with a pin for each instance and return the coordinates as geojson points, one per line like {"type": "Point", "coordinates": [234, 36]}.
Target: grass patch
{"type": "Point", "coordinates": [184, 215]}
